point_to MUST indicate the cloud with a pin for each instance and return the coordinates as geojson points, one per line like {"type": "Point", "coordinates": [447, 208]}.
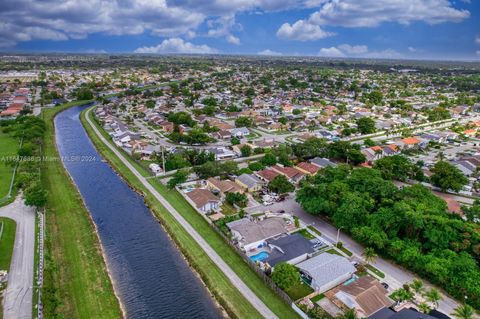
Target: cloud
{"type": "Point", "coordinates": [223, 27]}
{"type": "Point", "coordinates": [412, 49]}
{"type": "Point", "coordinates": [302, 31]}
{"type": "Point", "coordinates": [26, 20]}
{"type": "Point", "coordinates": [477, 52]}
{"type": "Point", "coordinates": [177, 45]}
{"type": "Point", "coordinates": [477, 39]}
{"type": "Point", "coordinates": [269, 52]}
{"type": "Point", "coordinates": [353, 49]}
{"type": "Point", "coordinates": [369, 13]}
{"type": "Point", "coordinates": [358, 51]}
{"type": "Point", "coordinates": [331, 52]}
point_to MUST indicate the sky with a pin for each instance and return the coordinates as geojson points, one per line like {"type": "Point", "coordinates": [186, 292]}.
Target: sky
{"type": "Point", "coordinates": [388, 29]}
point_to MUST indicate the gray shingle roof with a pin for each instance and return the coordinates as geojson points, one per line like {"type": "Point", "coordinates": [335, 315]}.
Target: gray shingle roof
{"type": "Point", "coordinates": [326, 267]}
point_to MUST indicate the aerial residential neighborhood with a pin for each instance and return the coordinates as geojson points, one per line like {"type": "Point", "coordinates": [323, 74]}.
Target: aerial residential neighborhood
{"type": "Point", "coordinates": [242, 159]}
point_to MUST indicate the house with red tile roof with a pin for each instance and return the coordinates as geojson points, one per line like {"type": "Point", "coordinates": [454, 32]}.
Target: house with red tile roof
{"type": "Point", "coordinates": [307, 168]}
{"type": "Point", "coordinates": [267, 175]}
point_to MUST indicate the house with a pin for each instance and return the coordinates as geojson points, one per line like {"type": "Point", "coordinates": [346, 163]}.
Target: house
{"type": "Point", "coordinates": [365, 295]}
{"type": "Point", "coordinates": [204, 200]}
{"type": "Point", "coordinates": [322, 162]}
{"type": "Point", "coordinates": [409, 142]}
{"type": "Point", "coordinates": [405, 313]}
{"type": "Point", "coordinates": [166, 126]}
{"type": "Point", "coordinates": [292, 249]}
{"type": "Point", "coordinates": [155, 168]}
{"type": "Point", "coordinates": [307, 168]}
{"type": "Point", "coordinates": [222, 153]}
{"type": "Point", "coordinates": [251, 234]}
{"type": "Point", "coordinates": [325, 271]}
{"type": "Point", "coordinates": [267, 175]}
{"type": "Point", "coordinates": [223, 187]}
{"type": "Point", "coordinates": [249, 182]}
{"type": "Point", "coordinates": [222, 135]}
{"type": "Point", "coordinates": [292, 174]}
{"type": "Point", "coordinates": [240, 132]}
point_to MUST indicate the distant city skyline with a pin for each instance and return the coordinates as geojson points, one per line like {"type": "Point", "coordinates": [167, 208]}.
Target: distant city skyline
{"type": "Point", "coordinates": [409, 29]}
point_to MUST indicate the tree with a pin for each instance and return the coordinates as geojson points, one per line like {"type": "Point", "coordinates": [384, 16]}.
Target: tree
{"type": "Point", "coordinates": [472, 213]}
{"type": "Point", "coordinates": [150, 104]}
{"type": "Point", "coordinates": [179, 177]}
{"type": "Point", "coordinates": [84, 94]}
{"type": "Point", "coordinates": [448, 177]}
{"type": "Point", "coordinates": [417, 286]}
{"type": "Point", "coordinates": [238, 199]}
{"type": "Point", "coordinates": [269, 159]}
{"type": "Point", "coordinates": [35, 195]}
{"type": "Point", "coordinates": [395, 167]}
{"type": "Point", "coordinates": [402, 295]}
{"type": "Point", "coordinates": [244, 121]}
{"type": "Point", "coordinates": [349, 314]}
{"type": "Point", "coordinates": [424, 307]}
{"type": "Point", "coordinates": [366, 125]}
{"type": "Point", "coordinates": [285, 275]}
{"type": "Point", "coordinates": [280, 185]}
{"type": "Point", "coordinates": [433, 296]}
{"type": "Point", "coordinates": [246, 150]}
{"type": "Point", "coordinates": [311, 148]}
{"type": "Point", "coordinates": [296, 112]}
{"type": "Point", "coordinates": [369, 255]}
{"type": "Point", "coordinates": [463, 312]}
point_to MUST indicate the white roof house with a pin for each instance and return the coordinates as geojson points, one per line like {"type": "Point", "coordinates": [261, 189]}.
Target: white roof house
{"type": "Point", "coordinates": [326, 271]}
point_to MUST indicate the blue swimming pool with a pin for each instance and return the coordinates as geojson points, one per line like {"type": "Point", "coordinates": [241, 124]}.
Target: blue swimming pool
{"type": "Point", "coordinates": [351, 280]}
{"type": "Point", "coordinates": [261, 256]}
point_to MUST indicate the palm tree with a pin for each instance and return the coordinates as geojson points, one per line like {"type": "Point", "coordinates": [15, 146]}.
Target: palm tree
{"type": "Point", "coordinates": [433, 296]}
{"type": "Point", "coordinates": [417, 286]}
{"type": "Point", "coordinates": [463, 312]}
{"type": "Point", "coordinates": [349, 314]}
{"type": "Point", "coordinates": [369, 255]}
{"type": "Point", "coordinates": [424, 307]}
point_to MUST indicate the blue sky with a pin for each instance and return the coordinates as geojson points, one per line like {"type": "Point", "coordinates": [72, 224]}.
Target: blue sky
{"type": "Point", "coordinates": [416, 29]}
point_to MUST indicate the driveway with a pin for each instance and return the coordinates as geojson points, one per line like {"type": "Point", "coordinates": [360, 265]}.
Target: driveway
{"type": "Point", "coordinates": [18, 296]}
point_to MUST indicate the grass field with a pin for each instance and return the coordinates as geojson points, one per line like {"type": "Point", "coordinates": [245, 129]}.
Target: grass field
{"type": "Point", "coordinates": [7, 240]}
{"type": "Point", "coordinates": [299, 290]}
{"type": "Point", "coordinates": [8, 147]}
{"type": "Point", "coordinates": [215, 279]}
{"type": "Point", "coordinates": [76, 281]}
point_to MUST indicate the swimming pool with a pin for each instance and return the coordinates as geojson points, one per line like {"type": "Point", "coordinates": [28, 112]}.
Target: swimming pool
{"type": "Point", "coordinates": [349, 281]}
{"type": "Point", "coordinates": [261, 256]}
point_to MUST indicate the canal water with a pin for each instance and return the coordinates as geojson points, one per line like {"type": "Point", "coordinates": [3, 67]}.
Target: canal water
{"type": "Point", "coordinates": [150, 276]}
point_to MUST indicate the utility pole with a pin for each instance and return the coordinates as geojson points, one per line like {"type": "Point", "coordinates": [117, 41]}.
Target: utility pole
{"type": "Point", "coordinates": [163, 159]}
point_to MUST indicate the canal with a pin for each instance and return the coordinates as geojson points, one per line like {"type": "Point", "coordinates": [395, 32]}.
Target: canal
{"type": "Point", "coordinates": [149, 274]}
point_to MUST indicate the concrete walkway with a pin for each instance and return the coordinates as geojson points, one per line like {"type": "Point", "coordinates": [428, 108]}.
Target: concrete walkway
{"type": "Point", "coordinates": [212, 254]}
{"type": "Point", "coordinates": [18, 296]}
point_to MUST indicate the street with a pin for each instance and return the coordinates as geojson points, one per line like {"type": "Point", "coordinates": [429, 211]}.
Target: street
{"type": "Point", "coordinates": [18, 295]}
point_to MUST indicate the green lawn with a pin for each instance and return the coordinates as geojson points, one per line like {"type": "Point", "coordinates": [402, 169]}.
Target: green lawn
{"type": "Point", "coordinates": [299, 290]}
{"type": "Point", "coordinates": [8, 147]}
{"type": "Point", "coordinates": [76, 280]}
{"type": "Point", "coordinates": [313, 229]}
{"type": "Point", "coordinates": [7, 240]}
{"type": "Point", "coordinates": [317, 298]}
{"type": "Point", "coordinates": [304, 233]}
{"type": "Point", "coordinates": [228, 209]}
{"type": "Point", "coordinates": [216, 280]}
{"type": "Point", "coordinates": [375, 271]}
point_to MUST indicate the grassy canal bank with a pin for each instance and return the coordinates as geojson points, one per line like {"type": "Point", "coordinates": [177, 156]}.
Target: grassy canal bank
{"type": "Point", "coordinates": [217, 282]}
{"type": "Point", "coordinates": [76, 282]}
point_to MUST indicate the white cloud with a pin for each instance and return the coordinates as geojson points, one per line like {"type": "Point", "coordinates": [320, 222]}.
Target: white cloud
{"type": "Point", "coordinates": [269, 52]}
{"type": "Point", "coordinates": [302, 31]}
{"type": "Point", "coordinates": [177, 45]}
{"type": "Point", "coordinates": [233, 39]}
{"type": "Point", "coordinates": [331, 52]}
{"type": "Point", "coordinates": [370, 13]}
{"type": "Point", "coordinates": [477, 52]}
{"type": "Point", "coordinates": [358, 51]}
{"type": "Point", "coordinates": [477, 39]}
{"type": "Point", "coordinates": [353, 49]}
{"type": "Point", "coordinates": [412, 49]}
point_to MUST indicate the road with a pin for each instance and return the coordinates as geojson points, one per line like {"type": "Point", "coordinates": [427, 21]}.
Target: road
{"type": "Point", "coordinates": [395, 275]}
{"type": "Point", "coordinates": [212, 254]}
{"type": "Point", "coordinates": [18, 296]}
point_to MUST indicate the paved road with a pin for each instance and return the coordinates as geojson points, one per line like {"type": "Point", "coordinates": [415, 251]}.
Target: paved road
{"type": "Point", "coordinates": [236, 281]}
{"type": "Point", "coordinates": [18, 296]}
{"type": "Point", "coordinates": [395, 275]}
